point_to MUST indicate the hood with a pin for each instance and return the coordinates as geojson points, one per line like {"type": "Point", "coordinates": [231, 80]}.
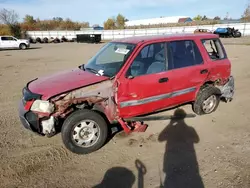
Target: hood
{"type": "Point", "coordinates": [61, 82]}
{"type": "Point", "coordinates": [24, 40]}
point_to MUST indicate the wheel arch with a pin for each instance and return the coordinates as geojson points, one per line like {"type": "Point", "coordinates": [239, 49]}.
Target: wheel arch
{"type": "Point", "coordinates": [22, 44]}
{"type": "Point", "coordinates": [206, 84]}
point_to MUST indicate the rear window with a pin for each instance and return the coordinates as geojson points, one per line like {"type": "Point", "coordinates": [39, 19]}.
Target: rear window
{"type": "Point", "coordinates": [214, 49]}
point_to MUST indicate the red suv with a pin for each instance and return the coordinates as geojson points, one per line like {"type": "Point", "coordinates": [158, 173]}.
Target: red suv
{"type": "Point", "coordinates": [127, 78]}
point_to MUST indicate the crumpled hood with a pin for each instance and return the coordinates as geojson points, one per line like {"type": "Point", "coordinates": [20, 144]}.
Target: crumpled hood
{"type": "Point", "coordinates": [61, 82]}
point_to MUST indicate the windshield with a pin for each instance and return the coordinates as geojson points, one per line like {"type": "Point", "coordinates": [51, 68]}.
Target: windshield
{"type": "Point", "coordinates": [110, 59]}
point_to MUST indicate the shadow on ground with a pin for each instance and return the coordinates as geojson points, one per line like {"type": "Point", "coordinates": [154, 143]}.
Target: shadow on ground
{"type": "Point", "coordinates": [31, 48]}
{"type": "Point", "coordinates": [179, 163]}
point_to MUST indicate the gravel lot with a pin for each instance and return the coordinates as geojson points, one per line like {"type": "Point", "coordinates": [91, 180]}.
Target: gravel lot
{"type": "Point", "coordinates": [216, 151]}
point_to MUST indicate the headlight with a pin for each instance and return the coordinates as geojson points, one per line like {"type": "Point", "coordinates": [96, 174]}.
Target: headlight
{"type": "Point", "coordinates": [42, 106]}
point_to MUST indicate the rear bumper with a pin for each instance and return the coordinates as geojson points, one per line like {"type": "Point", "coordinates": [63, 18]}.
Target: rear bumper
{"type": "Point", "coordinates": [28, 119]}
{"type": "Point", "coordinates": [228, 89]}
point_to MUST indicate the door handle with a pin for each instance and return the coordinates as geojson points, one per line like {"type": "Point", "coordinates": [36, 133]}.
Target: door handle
{"type": "Point", "coordinates": [204, 71]}
{"type": "Point", "coordinates": [161, 80]}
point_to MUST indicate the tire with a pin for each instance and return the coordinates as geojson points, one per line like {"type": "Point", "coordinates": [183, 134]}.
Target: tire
{"type": "Point", "coordinates": [23, 46]}
{"type": "Point", "coordinates": [208, 92]}
{"type": "Point", "coordinates": [72, 126]}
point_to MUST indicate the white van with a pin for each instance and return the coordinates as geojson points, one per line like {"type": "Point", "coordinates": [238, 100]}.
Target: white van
{"type": "Point", "coordinates": [10, 42]}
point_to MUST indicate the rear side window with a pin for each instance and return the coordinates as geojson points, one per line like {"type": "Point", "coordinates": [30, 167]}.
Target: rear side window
{"type": "Point", "coordinates": [184, 53]}
{"type": "Point", "coordinates": [214, 49]}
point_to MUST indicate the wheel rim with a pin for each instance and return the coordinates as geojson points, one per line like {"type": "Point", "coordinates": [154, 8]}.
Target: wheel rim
{"type": "Point", "coordinates": [86, 133]}
{"type": "Point", "coordinates": [209, 104]}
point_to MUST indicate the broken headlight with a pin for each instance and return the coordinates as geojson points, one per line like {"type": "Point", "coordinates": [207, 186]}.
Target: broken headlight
{"type": "Point", "coordinates": [42, 106]}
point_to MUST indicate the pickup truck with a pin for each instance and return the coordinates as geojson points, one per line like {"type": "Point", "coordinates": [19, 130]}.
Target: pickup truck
{"type": "Point", "coordinates": [10, 42]}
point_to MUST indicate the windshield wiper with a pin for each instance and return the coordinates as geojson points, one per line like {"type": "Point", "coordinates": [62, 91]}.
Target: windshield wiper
{"type": "Point", "coordinates": [93, 70]}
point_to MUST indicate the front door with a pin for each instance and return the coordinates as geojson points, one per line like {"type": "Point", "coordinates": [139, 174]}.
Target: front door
{"type": "Point", "coordinates": [146, 85]}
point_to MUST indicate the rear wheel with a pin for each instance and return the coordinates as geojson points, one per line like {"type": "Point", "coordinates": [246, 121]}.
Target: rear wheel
{"type": "Point", "coordinates": [23, 46]}
{"type": "Point", "coordinates": [207, 100]}
{"type": "Point", "coordinates": [84, 131]}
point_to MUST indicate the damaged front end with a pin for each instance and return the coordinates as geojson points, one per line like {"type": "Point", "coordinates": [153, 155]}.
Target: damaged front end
{"type": "Point", "coordinates": [45, 117]}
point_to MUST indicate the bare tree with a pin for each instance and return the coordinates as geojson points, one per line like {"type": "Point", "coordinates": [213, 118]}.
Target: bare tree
{"type": "Point", "coordinates": [8, 17]}
{"type": "Point", "coordinates": [246, 15]}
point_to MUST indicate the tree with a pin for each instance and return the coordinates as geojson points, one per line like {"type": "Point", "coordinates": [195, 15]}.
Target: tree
{"type": "Point", "coordinates": [110, 24]}
{"type": "Point", "coordinates": [10, 18]}
{"type": "Point", "coordinates": [216, 18]}
{"type": "Point", "coordinates": [29, 19]}
{"type": "Point", "coordinates": [58, 19]}
{"type": "Point", "coordinates": [120, 21]}
{"type": "Point", "coordinates": [246, 15]}
{"type": "Point", "coordinates": [204, 18]}
{"type": "Point", "coordinates": [197, 18]}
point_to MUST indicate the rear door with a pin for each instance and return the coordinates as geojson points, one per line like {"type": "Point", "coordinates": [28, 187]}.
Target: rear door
{"type": "Point", "coordinates": [5, 42]}
{"type": "Point", "coordinates": [217, 58]}
{"type": "Point", "coordinates": [189, 70]}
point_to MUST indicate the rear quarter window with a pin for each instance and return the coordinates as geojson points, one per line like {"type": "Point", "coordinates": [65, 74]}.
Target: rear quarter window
{"type": "Point", "coordinates": [214, 49]}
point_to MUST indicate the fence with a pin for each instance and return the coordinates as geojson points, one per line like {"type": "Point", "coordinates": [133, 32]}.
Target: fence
{"type": "Point", "coordinates": [244, 28]}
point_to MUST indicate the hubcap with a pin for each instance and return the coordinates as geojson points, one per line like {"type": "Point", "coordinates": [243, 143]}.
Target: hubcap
{"type": "Point", "coordinates": [86, 133]}
{"type": "Point", "coordinates": [209, 104]}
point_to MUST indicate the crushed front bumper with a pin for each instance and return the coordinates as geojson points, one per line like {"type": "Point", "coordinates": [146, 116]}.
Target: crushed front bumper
{"type": "Point", "coordinates": [29, 119]}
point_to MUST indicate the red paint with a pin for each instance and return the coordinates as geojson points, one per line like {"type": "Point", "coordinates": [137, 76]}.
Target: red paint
{"type": "Point", "coordinates": [28, 105]}
{"type": "Point", "coordinates": [63, 81]}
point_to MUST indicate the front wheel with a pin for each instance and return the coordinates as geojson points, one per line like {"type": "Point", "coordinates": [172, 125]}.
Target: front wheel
{"type": "Point", "coordinates": [84, 131]}
{"type": "Point", "coordinates": [207, 100]}
{"type": "Point", "coordinates": [23, 46]}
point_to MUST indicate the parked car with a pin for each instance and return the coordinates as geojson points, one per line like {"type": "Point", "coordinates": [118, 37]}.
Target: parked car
{"type": "Point", "coordinates": [202, 31]}
{"type": "Point", "coordinates": [128, 78]}
{"type": "Point", "coordinates": [10, 42]}
{"type": "Point", "coordinates": [228, 32]}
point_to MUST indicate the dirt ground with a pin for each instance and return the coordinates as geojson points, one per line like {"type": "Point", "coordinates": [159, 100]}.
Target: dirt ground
{"type": "Point", "coordinates": [216, 153]}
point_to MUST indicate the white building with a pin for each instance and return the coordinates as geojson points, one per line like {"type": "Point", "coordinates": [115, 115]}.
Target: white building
{"type": "Point", "coordinates": [161, 20]}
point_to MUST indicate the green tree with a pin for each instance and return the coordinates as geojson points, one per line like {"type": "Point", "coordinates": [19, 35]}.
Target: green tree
{"type": "Point", "coordinates": [29, 19]}
{"type": "Point", "coordinates": [197, 18]}
{"type": "Point", "coordinates": [58, 19]}
{"type": "Point", "coordinates": [110, 24]}
{"type": "Point", "coordinates": [204, 18]}
{"type": "Point", "coordinates": [217, 18]}
{"type": "Point", "coordinates": [120, 21]}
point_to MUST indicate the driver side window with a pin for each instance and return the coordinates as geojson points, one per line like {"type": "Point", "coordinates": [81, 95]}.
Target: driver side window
{"type": "Point", "coordinates": [150, 60]}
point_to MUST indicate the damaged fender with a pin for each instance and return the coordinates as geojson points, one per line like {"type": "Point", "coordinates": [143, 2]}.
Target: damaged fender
{"type": "Point", "coordinates": [99, 96]}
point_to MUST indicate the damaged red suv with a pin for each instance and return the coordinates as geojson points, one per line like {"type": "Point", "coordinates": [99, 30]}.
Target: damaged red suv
{"type": "Point", "coordinates": [128, 78]}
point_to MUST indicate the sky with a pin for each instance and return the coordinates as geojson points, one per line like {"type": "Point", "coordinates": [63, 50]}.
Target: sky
{"type": "Point", "coordinates": [97, 11]}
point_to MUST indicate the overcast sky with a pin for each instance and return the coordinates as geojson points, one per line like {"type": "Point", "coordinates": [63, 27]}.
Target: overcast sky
{"type": "Point", "coordinates": [97, 11]}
